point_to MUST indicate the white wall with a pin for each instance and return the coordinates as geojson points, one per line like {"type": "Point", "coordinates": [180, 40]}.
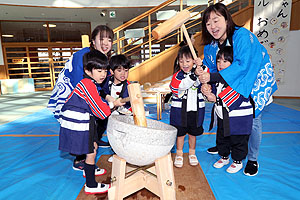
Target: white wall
{"type": "Point", "coordinates": [291, 84]}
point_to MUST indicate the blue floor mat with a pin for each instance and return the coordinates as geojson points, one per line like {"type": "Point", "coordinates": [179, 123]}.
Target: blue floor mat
{"type": "Point", "coordinates": [33, 168]}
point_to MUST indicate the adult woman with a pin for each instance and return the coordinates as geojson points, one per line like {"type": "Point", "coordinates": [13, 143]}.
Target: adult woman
{"type": "Point", "coordinates": [250, 73]}
{"type": "Point", "coordinates": [72, 73]}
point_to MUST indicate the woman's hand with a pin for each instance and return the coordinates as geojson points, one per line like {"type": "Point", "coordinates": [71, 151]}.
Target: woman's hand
{"type": "Point", "coordinates": [204, 77]}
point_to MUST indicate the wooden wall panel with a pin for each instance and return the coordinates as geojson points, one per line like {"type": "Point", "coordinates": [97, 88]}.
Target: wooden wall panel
{"type": "Point", "coordinates": [3, 74]}
{"type": "Point", "coordinates": [155, 69]}
{"type": "Point", "coordinates": [244, 18]}
{"type": "Point", "coordinates": [295, 16]}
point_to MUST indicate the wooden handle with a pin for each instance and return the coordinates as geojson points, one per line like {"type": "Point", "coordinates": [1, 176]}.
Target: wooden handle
{"type": "Point", "coordinates": [137, 104]}
{"type": "Point", "coordinates": [171, 24]}
{"type": "Point", "coordinates": [188, 39]}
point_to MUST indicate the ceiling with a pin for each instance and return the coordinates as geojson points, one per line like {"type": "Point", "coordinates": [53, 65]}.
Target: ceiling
{"type": "Point", "coordinates": [68, 14]}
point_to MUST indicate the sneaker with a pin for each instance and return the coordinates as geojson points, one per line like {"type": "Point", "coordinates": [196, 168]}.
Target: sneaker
{"type": "Point", "coordinates": [98, 172]}
{"type": "Point", "coordinates": [235, 167]}
{"type": "Point", "coordinates": [212, 150]}
{"type": "Point", "coordinates": [220, 163]}
{"type": "Point", "coordinates": [78, 165]}
{"type": "Point", "coordinates": [101, 188]}
{"type": "Point", "coordinates": [110, 159]}
{"type": "Point", "coordinates": [251, 168]}
{"type": "Point", "coordinates": [103, 144]}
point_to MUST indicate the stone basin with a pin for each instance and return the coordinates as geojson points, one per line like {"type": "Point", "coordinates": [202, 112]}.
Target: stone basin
{"type": "Point", "coordinates": [140, 145]}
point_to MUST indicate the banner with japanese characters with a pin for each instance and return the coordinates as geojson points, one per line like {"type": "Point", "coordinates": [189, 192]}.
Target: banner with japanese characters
{"type": "Point", "coordinates": [271, 25]}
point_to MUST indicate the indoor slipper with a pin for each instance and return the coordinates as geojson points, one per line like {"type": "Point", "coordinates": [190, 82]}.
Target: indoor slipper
{"type": "Point", "coordinates": [193, 160]}
{"type": "Point", "coordinates": [178, 161]}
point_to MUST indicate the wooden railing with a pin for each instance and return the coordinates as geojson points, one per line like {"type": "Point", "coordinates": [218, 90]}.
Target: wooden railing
{"type": "Point", "coordinates": [149, 49]}
{"type": "Point", "coordinates": [138, 46]}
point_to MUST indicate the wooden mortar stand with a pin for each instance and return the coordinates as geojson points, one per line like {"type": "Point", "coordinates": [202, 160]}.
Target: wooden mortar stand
{"type": "Point", "coordinates": [127, 179]}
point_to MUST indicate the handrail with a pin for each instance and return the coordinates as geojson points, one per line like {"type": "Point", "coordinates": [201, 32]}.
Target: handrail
{"type": "Point", "coordinates": [132, 48]}
{"type": "Point", "coordinates": [145, 14]}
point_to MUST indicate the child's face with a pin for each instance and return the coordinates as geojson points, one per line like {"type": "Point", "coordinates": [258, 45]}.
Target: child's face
{"type": "Point", "coordinates": [104, 45]}
{"type": "Point", "coordinates": [120, 74]}
{"type": "Point", "coordinates": [222, 63]}
{"type": "Point", "coordinates": [97, 74]}
{"type": "Point", "coordinates": [186, 63]}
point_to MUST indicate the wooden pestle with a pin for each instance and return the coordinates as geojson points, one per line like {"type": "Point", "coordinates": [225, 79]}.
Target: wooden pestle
{"type": "Point", "coordinates": [137, 104]}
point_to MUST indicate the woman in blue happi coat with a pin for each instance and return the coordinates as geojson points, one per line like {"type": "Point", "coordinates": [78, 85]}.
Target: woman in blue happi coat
{"type": "Point", "coordinates": [250, 74]}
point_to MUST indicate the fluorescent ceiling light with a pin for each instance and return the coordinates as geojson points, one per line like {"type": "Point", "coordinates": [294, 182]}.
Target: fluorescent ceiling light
{"type": "Point", "coordinates": [50, 25]}
{"type": "Point", "coordinates": [9, 36]}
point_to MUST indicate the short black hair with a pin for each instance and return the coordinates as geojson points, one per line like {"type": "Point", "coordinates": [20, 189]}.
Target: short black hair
{"type": "Point", "coordinates": [185, 51]}
{"type": "Point", "coordinates": [117, 61]}
{"type": "Point", "coordinates": [95, 60]}
{"type": "Point", "coordinates": [226, 52]}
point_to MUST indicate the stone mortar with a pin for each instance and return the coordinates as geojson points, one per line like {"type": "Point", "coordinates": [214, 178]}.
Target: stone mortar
{"type": "Point", "coordinates": [140, 145]}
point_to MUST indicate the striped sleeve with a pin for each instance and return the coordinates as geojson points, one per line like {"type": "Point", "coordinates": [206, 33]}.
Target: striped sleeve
{"type": "Point", "coordinates": [87, 90]}
{"type": "Point", "coordinates": [230, 98]}
{"type": "Point", "coordinates": [174, 85]}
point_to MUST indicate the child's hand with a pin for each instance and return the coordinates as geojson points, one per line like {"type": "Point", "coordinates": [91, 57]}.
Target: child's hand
{"type": "Point", "coordinates": [198, 61]}
{"type": "Point", "coordinates": [118, 102]}
{"type": "Point", "coordinates": [109, 98]}
{"type": "Point", "coordinates": [206, 89]}
{"type": "Point", "coordinates": [198, 70]}
{"type": "Point", "coordinates": [211, 97]}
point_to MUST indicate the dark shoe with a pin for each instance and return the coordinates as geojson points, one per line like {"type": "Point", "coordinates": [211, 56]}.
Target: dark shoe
{"type": "Point", "coordinates": [212, 150]}
{"type": "Point", "coordinates": [103, 144]}
{"type": "Point", "coordinates": [251, 168]}
{"type": "Point", "coordinates": [78, 165]}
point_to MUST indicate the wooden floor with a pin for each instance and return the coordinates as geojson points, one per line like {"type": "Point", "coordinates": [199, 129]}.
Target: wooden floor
{"type": "Point", "coordinates": [191, 183]}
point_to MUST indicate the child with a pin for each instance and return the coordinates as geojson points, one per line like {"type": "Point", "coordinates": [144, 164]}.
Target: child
{"type": "Point", "coordinates": [187, 108]}
{"type": "Point", "coordinates": [116, 86]}
{"type": "Point", "coordinates": [101, 40]}
{"type": "Point", "coordinates": [78, 131]}
{"type": "Point", "coordinates": [234, 122]}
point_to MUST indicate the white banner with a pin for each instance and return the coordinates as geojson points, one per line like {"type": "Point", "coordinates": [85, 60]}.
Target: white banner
{"type": "Point", "coordinates": [271, 25]}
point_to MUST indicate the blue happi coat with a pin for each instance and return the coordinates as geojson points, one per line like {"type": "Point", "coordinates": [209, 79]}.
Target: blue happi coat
{"type": "Point", "coordinates": [251, 72]}
{"type": "Point", "coordinates": [67, 79]}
